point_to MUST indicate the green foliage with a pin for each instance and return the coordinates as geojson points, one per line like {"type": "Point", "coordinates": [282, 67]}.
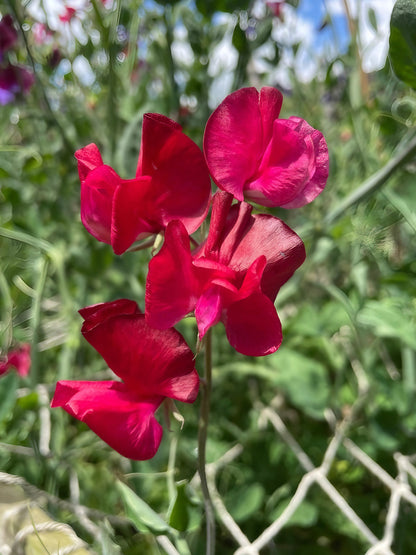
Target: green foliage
{"type": "Point", "coordinates": [403, 41]}
{"type": "Point", "coordinates": [348, 314]}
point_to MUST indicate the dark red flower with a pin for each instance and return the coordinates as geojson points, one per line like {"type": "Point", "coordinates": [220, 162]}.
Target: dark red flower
{"type": "Point", "coordinates": [233, 277]}
{"type": "Point", "coordinates": [14, 80]}
{"type": "Point", "coordinates": [19, 359]}
{"type": "Point", "coordinates": [253, 154]}
{"type": "Point", "coordinates": [152, 365]}
{"type": "Point", "coordinates": [8, 34]}
{"type": "Point", "coordinates": [172, 182]}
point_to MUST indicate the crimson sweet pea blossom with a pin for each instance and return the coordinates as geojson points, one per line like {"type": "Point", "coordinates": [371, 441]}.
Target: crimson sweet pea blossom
{"type": "Point", "coordinates": [14, 80]}
{"type": "Point", "coordinates": [172, 182]}
{"type": "Point", "coordinates": [152, 365]}
{"type": "Point", "coordinates": [8, 34]}
{"type": "Point", "coordinates": [253, 154]}
{"type": "Point", "coordinates": [19, 359]}
{"type": "Point", "coordinates": [233, 277]}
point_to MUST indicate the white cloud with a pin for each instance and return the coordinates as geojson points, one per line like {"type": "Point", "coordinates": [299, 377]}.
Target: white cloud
{"type": "Point", "coordinates": [373, 44]}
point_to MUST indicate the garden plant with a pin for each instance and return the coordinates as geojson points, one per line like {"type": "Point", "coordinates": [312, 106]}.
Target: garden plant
{"type": "Point", "coordinates": [208, 330]}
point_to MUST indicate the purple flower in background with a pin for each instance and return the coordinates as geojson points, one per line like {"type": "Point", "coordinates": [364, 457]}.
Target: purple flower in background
{"type": "Point", "coordinates": [13, 81]}
{"type": "Point", "coordinates": [8, 34]}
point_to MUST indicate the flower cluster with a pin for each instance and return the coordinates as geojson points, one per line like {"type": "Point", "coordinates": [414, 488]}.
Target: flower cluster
{"type": "Point", "coordinates": [14, 79]}
{"type": "Point", "coordinates": [232, 276]}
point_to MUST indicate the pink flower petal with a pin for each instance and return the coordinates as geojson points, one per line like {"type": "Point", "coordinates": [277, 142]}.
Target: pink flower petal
{"type": "Point", "coordinates": [233, 140]}
{"type": "Point", "coordinates": [88, 158]}
{"type": "Point", "coordinates": [95, 314]}
{"type": "Point", "coordinates": [252, 325]}
{"type": "Point", "coordinates": [19, 359]}
{"type": "Point", "coordinates": [131, 206]}
{"type": "Point", "coordinates": [318, 165]}
{"type": "Point", "coordinates": [282, 247]}
{"type": "Point", "coordinates": [181, 185]}
{"type": "Point", "coordinates": [251, 153]}
{"type": "Point", "coordinates": [208, 309]}
{"type": "Point", "coordinates": [170, 285]}
{"type": "Point", "coordinates": [97, 192]}
{"type": "Point", "coordinates": [150, 362]}
{"type": "Point", "coordinates": [270, 104]}
{"type": "Point", "coordinates": [284, 169]}
{"type": "Point", "coordinates": [123, 420]}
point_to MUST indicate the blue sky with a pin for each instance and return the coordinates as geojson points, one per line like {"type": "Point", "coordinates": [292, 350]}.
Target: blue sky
{"type": "Point", "coordinates": [314, 11]}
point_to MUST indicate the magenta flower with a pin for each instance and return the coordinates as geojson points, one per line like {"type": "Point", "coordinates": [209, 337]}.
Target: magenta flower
{"type": "Point", "coordinates": [233, 277]}
{"type": "Point", "coordinates": [172, 182]}
{"type": "Point", "coordinates": [14, 80]}
{"type": "Point", "coordinates": [19, 359]}
{"type": "Point", "coordinates": [253, 154]}
{"type": "Point", "coordinates": [8, 34]}
{"type": "Point", "coordinates": [152, 364]}
{"type": "Point", "coordinates": [68, 14]}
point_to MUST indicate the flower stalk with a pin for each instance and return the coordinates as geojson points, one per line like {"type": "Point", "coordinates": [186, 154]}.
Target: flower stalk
{"type": "Point", "coordinates": [202, 442]}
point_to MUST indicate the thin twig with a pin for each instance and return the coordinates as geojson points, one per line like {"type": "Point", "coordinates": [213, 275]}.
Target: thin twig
{"type": "Point", "coordinates": [202, 440]}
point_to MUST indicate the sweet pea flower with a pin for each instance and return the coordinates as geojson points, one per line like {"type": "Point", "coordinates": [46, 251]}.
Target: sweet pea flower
{"type": "Point", "coordinates": [8, 34]}
{"type": "Point", "coordinates": [276, 7]}
{"type": "Point", "coordinates": [14, 80]}
{"type": "Point", "coordinates": [233, 277]}
{"type": "Point", "coordinates": [172, 182]}
{"type": "Point", "coordinates": [152, 365]}
{"type": "Point", "coordinates": [19, 359]}
{"type": "Point", "coordinates": [253, 154]}
{"type": "Point", "coordinates": [68, 14]}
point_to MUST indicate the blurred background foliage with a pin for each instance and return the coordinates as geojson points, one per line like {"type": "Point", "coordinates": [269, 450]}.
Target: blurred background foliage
{"type": "Point", "coordinates": [350, 309]}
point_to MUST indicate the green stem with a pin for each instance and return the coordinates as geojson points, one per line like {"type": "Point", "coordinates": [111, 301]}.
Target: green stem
{"type": "Point", "coordinates": [35, 320]}
{"type": "Point", "coordinates": [373, 183]}
{"type": "Point", "coordinates": [202, 441]}
{"type": "Point", "coordinates": [167, 20]}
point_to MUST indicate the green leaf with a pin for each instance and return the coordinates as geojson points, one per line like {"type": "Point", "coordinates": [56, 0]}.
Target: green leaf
{"type": "Point", "coordinates": [402, 51]}
{"type": "Point", "coordinates": [178, 515]}
{"type": "Point", "coordinates": [239, 39]}
{"type": "Point", "coordinates": [138, 511]}
{"type": "Point", "coordinates": [390, 318]}
{"type": "Point", "coordinates": [303, 379]}
{"type": "Point", "coordinates": [8, 387]}
{"type": "Point", "coordinates": [244, 502]}
{"type": "Point", "coordinates": [372, 18]}
{"type": "Point", "coordinates": [305, 515]}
